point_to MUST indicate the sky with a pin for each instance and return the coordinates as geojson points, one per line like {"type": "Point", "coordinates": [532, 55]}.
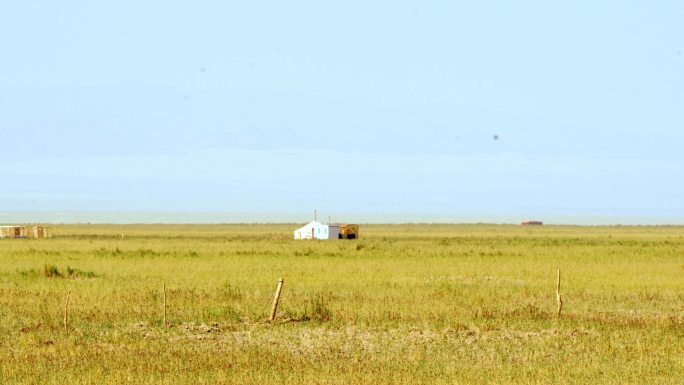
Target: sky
{"type": "Point", "coordinates": [438, 110]}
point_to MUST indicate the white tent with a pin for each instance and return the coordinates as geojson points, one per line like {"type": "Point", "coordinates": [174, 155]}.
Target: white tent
{"type": "Point", "coordinates": [312, 230]}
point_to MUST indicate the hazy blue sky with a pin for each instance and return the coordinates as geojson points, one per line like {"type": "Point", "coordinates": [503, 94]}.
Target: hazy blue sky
{"type": "Point", "coordinates": [374, 107]}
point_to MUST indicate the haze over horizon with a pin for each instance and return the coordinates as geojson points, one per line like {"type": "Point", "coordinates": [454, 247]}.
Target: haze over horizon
{"type": "Point", "coordinates": [485, 110]}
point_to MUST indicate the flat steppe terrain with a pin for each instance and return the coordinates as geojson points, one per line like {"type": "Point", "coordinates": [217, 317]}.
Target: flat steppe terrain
{"type": "Point", "coordinates": [404, 304]}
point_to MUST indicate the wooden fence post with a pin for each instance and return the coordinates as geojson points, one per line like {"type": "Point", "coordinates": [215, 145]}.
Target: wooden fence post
{"type": "Point", "coordinates": [559, 299]}
{"type": "Point", "coordinates": [66, 311]}
{"type": "Point", "coordinates": [276, 299]}
{"type": "Point", "coordinates": [166, 325]}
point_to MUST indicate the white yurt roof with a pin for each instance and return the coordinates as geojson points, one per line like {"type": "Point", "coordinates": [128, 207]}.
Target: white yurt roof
{"type": "Point", "coordinates": [310, 225]}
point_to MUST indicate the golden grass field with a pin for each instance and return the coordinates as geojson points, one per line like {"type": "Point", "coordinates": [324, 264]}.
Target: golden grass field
{"type": "Point", "coordinates": [405, 304]}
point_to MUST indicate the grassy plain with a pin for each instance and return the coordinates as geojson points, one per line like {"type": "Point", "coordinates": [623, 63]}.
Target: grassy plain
{"type": "Point", "coordinates": [405, 304]}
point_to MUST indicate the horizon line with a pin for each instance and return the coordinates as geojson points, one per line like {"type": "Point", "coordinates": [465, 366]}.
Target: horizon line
{"type": "Point", "coordinates": [66, 217]}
